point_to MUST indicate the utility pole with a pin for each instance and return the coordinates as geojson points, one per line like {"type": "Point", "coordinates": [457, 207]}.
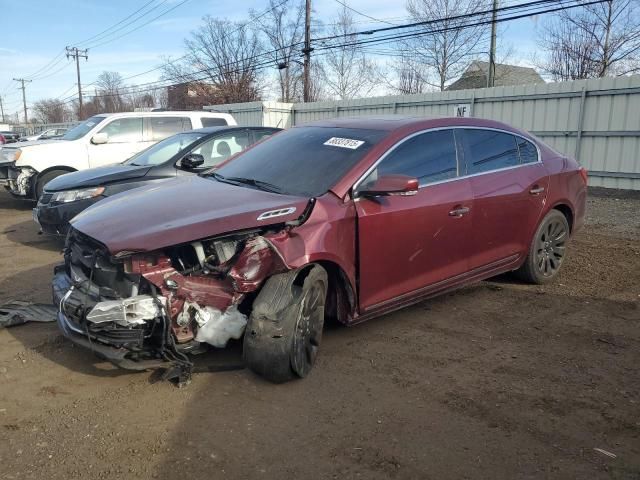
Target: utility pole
{"type": "Point", "coordinates": [1, 109]}
{"type": "Point", "coordinates": [24, 97]}
{"type": "Point", "coordinates": [77, 54]}
{"type": "Point", "coordinates": [307, 51]}
{"type": "Point", "coordinates": [491, 77]}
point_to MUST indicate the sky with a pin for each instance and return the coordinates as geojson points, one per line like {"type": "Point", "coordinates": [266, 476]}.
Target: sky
{"type": "Point", "coordinates": [34, 33]}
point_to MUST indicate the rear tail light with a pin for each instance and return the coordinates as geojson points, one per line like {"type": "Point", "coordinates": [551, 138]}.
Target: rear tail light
{"type": "Point", "coordinates": [2, 140]}
{"type": "Point", "coordinates": [583, 174]}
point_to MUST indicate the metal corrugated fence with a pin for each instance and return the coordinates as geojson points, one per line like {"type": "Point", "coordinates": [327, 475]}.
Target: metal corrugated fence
{"type": "Point", "coordinates": [597, 121]}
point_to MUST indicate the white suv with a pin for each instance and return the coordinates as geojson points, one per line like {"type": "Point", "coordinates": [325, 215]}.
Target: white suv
{"type": "Point", "coordinates": [101, 140]}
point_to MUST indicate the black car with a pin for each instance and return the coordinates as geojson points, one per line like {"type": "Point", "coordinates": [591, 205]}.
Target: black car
{"type": "Point", "coordinates": [186, 153]}
{"type": "Point", "coordinates": [9, 137]}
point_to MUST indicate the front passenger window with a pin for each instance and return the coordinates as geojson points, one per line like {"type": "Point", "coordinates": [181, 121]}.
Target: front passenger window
{"type": "Point", "coordinates": [430, 157]}
{"type": "Point", "coordinates": [124, 130]}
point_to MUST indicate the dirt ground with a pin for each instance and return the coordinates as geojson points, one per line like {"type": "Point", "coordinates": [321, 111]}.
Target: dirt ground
{"type": "Point", "coordinates": [498, 380]}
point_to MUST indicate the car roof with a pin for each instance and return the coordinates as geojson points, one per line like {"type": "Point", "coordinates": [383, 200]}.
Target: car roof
{"type": "Point", "coordinates": [408, 122]}
{"type": "Point", "coordinates": [164, 113]}
{"type": "Point", "coordinates": [223, 128]}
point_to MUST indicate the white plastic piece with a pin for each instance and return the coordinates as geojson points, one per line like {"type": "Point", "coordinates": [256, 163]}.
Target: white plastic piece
{"type": "Point", "coordinates": [197, 246]}
{"type": "Point", "coordinates": [219, 327]}
{"type": "Point", "coordinates": [129, 311]}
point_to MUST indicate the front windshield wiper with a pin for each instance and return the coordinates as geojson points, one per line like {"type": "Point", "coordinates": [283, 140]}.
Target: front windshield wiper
{"type": "Point", "coordinates": [261, 185]}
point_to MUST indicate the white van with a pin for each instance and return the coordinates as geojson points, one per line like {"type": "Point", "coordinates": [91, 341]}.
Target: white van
{"type": "Point", "coordinates": [101, 140]}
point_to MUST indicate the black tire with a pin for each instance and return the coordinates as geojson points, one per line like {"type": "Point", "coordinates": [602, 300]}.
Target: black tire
{"type": "Point", "coordinates": [284, 331]}
{"type": "Point", "coordinates": [44, 179]}
{"type": "Point", "coordinates": [547, 250]}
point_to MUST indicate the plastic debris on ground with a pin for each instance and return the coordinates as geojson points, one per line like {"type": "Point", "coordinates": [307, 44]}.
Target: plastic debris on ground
{"type": "Point", "coordinates": [17, 313]}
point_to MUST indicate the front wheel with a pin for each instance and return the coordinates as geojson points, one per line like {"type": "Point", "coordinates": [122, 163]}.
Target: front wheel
{"type": "Point", "coordinates": [283, 334]}
{"type": "Point", "coordinates": [44, 179]}
{"type": "Point", "coordinates": [547, 250]}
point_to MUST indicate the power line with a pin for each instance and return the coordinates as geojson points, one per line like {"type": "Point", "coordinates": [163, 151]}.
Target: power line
{"type": "Point", "coordinates": [161, 83]}
{"type": "Point", "coordinates": [455, 27]}
{"type": "Point", "coordinates": [526, 7]}
{"type": "Point", "coordinates": [363, 14]}
{"type": "Point", "coordinates": [253, 19]}
{"type": "Point", "coordinates": [37, 75]}
{"type": "Point", "coordinates": [94, 37]}
{"type": "Point", "coordinates": [138, 27]}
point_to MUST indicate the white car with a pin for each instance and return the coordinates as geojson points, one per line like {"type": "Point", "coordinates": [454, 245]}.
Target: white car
{"type": "Point", "coordinates": [103, 139]}
{"type": "Point", "coordinates": [46, 135]}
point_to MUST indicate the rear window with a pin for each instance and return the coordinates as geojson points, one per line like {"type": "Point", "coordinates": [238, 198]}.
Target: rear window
{"type": "Point", "coordinates": [213, 122]}
{"type": "Point", "coordinates": [528, 151]}
{"type": "Point", "coordinates": [305, 161]}
{"type": "Point", "coordinates": [163, 127]}
{"type": "Point", "coordinates": [490, 150]}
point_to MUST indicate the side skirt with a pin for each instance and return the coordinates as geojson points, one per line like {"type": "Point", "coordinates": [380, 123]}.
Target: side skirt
{"type": "Point", "coordinates": [481, 273]}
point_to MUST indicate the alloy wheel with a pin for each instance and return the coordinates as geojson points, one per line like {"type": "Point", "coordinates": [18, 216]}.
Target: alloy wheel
{"type": "Point", "coordinates": [550, 248]}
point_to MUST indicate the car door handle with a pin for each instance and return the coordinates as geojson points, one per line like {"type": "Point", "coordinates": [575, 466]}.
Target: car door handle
{"type": "Point", "coordinates": [459, 211]}
{"type": "Point", "coordinates": [536, 190]}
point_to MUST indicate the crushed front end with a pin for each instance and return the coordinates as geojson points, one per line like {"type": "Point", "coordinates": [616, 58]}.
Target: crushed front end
{"type": "Point", "coordinates": [149, 310]}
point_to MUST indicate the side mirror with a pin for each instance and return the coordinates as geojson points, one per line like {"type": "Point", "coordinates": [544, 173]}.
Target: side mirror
{"type": "Point", "coordinates": [191, 161]}
{"type": "Point", "coordinates": [391, 185]}
{"type": "Point", "coordinates": [100, 138]}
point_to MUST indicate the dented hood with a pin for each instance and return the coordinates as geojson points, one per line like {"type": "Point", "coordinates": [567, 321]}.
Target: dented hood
{"type": "Point", "coordinates": [179, 211]}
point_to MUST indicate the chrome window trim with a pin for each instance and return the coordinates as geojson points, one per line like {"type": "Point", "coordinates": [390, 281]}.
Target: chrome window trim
{"type": "Point", "coordinates": [455, 127]}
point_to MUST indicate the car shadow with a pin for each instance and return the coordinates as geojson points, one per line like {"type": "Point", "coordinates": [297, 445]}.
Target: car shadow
{"type": "Point", "coordinates": [7, 201]}
{"type": "Point", "coordinates": [27, 233]}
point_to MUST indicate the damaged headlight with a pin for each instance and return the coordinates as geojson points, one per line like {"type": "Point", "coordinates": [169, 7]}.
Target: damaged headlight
{"type": "Point", "coordinates": [129, 311]}
{"type": "Point", "coordinates": [11, 154]}
{"type": "Point", "coordinates": [74, 195]}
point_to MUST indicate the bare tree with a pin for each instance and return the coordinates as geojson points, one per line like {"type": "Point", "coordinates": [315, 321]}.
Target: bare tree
{"type": "Point", "coordinates": [444, 50]}
{"type": "Point", "coordinates": [222, 63]}
{"type": "Point", "coordinates": [109, 88]}
{"type": "Point", "coordinates": [144, 100]}
{"type": "Point", "coordinates": [51, 111]}
{"type": "Point", "coordinates": [348, 71]}
{"type": "Point", "coordinates": [596, 41]}
{"type": "Point", "coordinates": [405, 76]}
{"type": "Point", "coordinates": [283, 28]}
{"type": "Point", "coordinates": [161, 98]}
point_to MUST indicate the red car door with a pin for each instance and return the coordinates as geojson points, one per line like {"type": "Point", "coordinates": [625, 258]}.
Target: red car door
{"type": "Point", "coordinates": [509, 187]}
{"type": "Point", "coordinates": [407, 243]}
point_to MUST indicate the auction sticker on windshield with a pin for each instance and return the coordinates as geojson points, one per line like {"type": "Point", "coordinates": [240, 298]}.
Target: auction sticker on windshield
{"type": "Point", "coordinates": [344, 142]}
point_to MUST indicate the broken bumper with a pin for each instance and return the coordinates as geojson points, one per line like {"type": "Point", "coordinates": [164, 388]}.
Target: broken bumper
{"type": "Point", "coordinates": [20, 181]}
{"type": "Point", "coordinates": [80, 335]}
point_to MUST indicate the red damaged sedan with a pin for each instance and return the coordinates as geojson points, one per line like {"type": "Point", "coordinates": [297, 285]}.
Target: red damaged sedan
{"type": "Point", "coordinates": [344, 219]}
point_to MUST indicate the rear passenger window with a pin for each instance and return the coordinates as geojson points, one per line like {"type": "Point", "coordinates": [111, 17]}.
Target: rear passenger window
{"type": "Point", "coordinates": [490, 150]}
{"type": "Point", "coordinates": [213, 122]}
{"type": "Point", "coordinates": [528, 151]}
{"type": "Point", "coordinates": [124, 130]}
{"type": "Point", "coordinates": [429, 157]}
{"type": "Point", "coordinates": [163, 127]}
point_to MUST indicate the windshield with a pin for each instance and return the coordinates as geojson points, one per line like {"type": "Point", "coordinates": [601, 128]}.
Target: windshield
{"type": "Point", "coordinates": [81, 130]}
{"type": "Point", "coordinates": [305, 161]}
{"type": "Point", "coordinates": [164, 150]}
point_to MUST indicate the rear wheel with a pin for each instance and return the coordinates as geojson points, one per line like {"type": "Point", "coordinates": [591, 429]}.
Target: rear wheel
{"type": "Point", "coordinates": [285, 327]}
{"type": "Point", "coordinates": [44, 179]}
{"type": "Point", "coordinates": [547, 250]}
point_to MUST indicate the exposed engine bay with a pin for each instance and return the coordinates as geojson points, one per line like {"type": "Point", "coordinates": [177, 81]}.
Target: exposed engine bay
{"type": "Point", "coordinates": [139, 310]}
